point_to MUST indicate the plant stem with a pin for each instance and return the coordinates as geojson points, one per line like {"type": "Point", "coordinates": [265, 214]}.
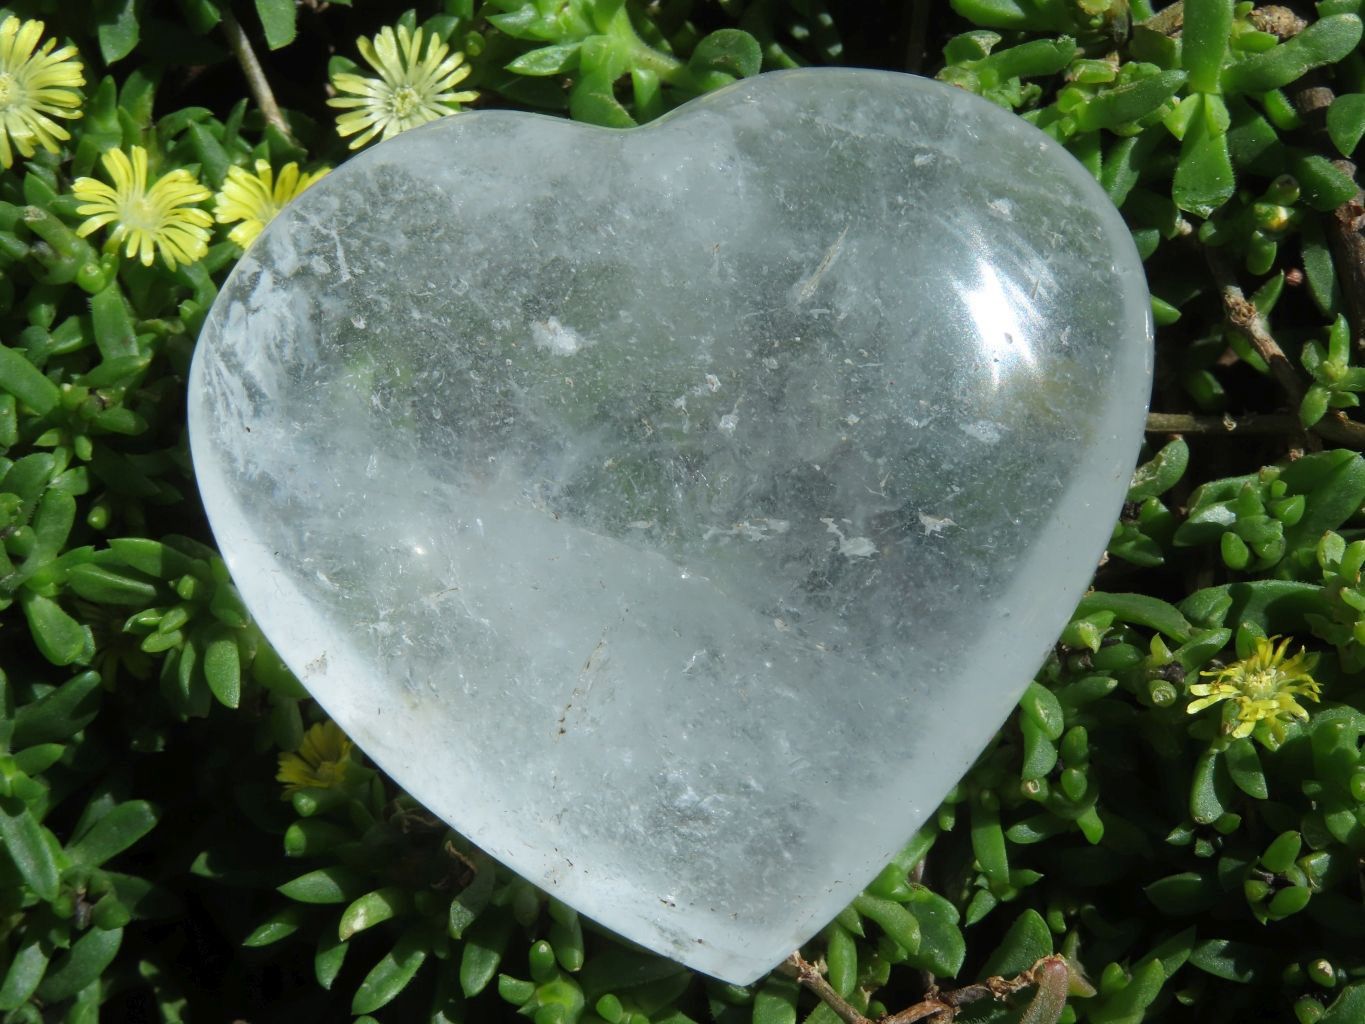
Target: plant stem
{"type": "Point", "coordinates": [934, 1003]}
{"type": "Point", "coordinates": [918, 31]}
{"type": "Point", "coordinates": [1335, 426]}
{"type": "Point", "coordinates": [1346, 224]}
{"type": "Point", "coordinates": [1243, 317]}
{"type": "Point", "coordinates": [807, 974]}
{"type": "Point", "coordinates": [251, 68]}
{"type": "Point", "coordinates": [1185, 423]}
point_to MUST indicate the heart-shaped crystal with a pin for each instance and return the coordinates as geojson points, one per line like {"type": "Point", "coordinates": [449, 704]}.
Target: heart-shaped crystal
{"type": "Point", "coordinates": [678, 511]}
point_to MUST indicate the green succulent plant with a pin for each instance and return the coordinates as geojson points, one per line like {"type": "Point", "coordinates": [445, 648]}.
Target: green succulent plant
{"type": "Point", "coordinates": [1169, 828]}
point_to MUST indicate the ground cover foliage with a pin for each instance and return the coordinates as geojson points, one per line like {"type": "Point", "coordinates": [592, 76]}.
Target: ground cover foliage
{"type": "Point", "coordinates": [1177, 810]}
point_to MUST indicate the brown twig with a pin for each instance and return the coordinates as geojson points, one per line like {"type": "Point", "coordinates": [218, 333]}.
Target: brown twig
{"type": "Point", "coordinates": [943, 1005]}
{"type": "Point", "coordinates": [918, 30]}
{"type": "Point", "coordinates": [1244, 318]}
{"type": "Point", "coordinates": [926, 1008]}
{"type": "Point", "coordinates": [808, 975]}
{"type": "Point", "coordinates": [251, 68]}
{"type": "Point", "coordinates": [1185, 423]}
{"type": "Point", "coordinates": [1346, 236]}
{"type": "Point", "coordinates": [1348, 244]}
{"type": "Point", "coordinates": [1335, 426]}
{"type": "Point", "coordinates": [1346, 225]}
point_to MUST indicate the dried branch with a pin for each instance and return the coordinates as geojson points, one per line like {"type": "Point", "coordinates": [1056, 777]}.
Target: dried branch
{"type": "Point", "coordinates": [1346, 236]}
{"type": "Point", "coordinates": [251, 68]}
{"type": "Point", "coordinates": [917, 14]}
{"type": "Point", "coordinates": [1047, 973]}
{"type": "Point", "coordinates": [1335, 426]}
{"type": "Point", "coordinates": [1339, 428]}
{"type": "Point", "coordinates": [809, 976]}
{"type": "Point", "coordinates": [1345, 227]}
{"type": "Point", "coordinates": [1244, 318]}
{"type": "Point", "coordinates": [1185, 423]}
{"type": "Point", "coordinates": [927, 1007]}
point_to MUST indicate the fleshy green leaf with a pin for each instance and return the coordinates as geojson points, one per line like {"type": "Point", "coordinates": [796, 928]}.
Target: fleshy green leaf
{"type": "Point", "coordinates": [1128, 1005]}
{"type": "Point", "coordinates": [25, 972]}
{"type": "Point", "coordinates": [116, 26]}
{"type": "Point", "coordinates": [841, 959]}
{"type": "Point", "coordinates": [83, 963]}
{"type": "Point", "coordinates": [1129, 101]}
{"type": "Point", "coordinates": [59, 714]}
{"type": "Point", "coordinates": [1028, 940]}
{"type": "Point", "coordinates": [548, 60]}
{"type": "Point", "coordinates": [1346, 122]}
{"type": "Point", "coordinates": [30, 847]}
{"type": "Point", "coordinates": [898, 923]}
{"type": "Point", "coordinates": [371, 909]}
{"type": "Point", "coordinates": [223, 669]}
{"type": "Point", "coordinates": [1204, 42]}
{"type": "Point", "coordinates": [335, 884]}
{"type": "Point", "coordinates": [1210, 789]}
{"type": "Point", "coordinates": [109, 586]}
{"type": "Point", "coordinates": [1228, 959]}
{"type": "Point", "coordinates": [1204, 179]}
{"type": "Point", "coordinates": [1161, 473]}
{"type": "Point", "coordinates": [1323, 42]}
{"type": "Point", "coordinates": [1139, 610]}
{"type": "Point", "coordinates": [593, 101]}
{"type": "Point", "coordinates": [278, 926]}
{"type": "Point", "coordinates": [775, 1002]}
{"type": "Point", "coordinates": [727, 50]}
{"type": "Point", "coordinates": [25, 382]}
{"type": "Point", "coordinates": [392, 974]}
{"type": "Point", "coordinates": [61, 639]}
{"type": "Point", "coordinates": [278, 18]}
{"type": "Point", "coordinates": [114, 832]}
{"type": "Point", "coordinates": [942, 945]}
{"type": "Point", "coordinates": [485, 943]}
{"type": "Point", "coordinates": [1244, 768]}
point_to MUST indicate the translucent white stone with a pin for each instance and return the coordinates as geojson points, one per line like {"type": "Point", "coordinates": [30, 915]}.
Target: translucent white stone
{"type": "Point", "coordinates": [677, 512]}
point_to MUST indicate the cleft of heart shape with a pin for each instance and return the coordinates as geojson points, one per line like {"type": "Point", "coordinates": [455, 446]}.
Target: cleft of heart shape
{"type": "Point", "coordinates": [678, 511]}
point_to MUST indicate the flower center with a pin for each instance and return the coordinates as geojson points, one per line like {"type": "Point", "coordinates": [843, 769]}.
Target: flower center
{"type": "Point", "coordinates": [405, 102]}
{"type": "Point", "coordinates": [330, 773]}
{"type": "Point", "coordinates": [1261, 685]}
{"type": "Point", "coordinates": [139, 214]}
{"type": "Point", "coordinates": [11, 93]}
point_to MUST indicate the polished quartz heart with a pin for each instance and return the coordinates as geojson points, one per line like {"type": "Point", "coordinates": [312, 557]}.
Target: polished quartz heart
{"type": "Point", "coordinates": [678, 511]}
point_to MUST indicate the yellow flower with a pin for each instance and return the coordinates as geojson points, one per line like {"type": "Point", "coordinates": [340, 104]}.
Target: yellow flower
{"type": "Point", "coordinates": [1262, 688]}
{"type": "Point", "coordinates": [255, 199]}
{"type": "Point", "coordinates": [35, 86]}
{"type": "Point", "coordinates": [161, 218]}
{"type": "Point", "coordinates": [320, 762]}
{"type": "Point", "coordinates": [412, 88]}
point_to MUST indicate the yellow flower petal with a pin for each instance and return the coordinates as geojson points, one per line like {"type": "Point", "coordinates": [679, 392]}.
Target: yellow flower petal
{"type": "Point", "coordinates": [1263, 687]}
{"type": "Point", "coordinates": [162, 218]}
{"type": "Point", "coordinates": [37, 83]}
{"type": "Point", "coordinates": [414, 86]}
{"type": "Point", "coordinates": [320, 762]}
{"type": "Point", "coordinates": [254, 199]}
